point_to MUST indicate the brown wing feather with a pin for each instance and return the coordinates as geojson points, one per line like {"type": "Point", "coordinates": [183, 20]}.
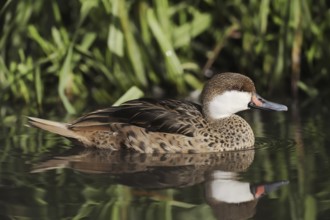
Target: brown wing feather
{"type": "Point", "coordinates": [169, 116]}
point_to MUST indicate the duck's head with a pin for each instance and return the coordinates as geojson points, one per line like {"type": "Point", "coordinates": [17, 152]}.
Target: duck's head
{"type": "Point", "coordinates": [227, 93]}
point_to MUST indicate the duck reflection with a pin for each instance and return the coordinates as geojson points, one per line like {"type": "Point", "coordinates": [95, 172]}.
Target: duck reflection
{"type": "Point", "coordinates": [227, 195]}
{"type": "Point", "coordinates": [231, 198]}
{"type": "Point", "coordinates": [150, 170]}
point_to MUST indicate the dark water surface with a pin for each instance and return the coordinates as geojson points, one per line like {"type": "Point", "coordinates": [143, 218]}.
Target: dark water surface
{"type": "Point", "coordinates": [287, 176]}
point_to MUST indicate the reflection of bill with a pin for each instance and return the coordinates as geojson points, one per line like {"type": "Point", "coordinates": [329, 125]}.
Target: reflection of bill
{"type": "Point", "coordinates": [233, 199]}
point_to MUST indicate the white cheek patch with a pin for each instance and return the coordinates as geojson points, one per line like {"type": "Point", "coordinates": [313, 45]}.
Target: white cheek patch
{"type": "Point", "coordinates": [229, 103]}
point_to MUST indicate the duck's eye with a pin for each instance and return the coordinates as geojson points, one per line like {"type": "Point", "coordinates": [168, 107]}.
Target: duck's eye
{"type": "Point", "coordinates": [238, 88]}
{"type": "Point", "coordinates": [241, 89]}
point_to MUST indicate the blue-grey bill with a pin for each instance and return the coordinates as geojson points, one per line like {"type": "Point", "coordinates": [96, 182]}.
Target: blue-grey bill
{"type": "Point", "coordinates": [261, 103]}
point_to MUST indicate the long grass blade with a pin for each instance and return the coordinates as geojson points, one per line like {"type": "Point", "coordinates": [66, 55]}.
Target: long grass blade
{"type": "Point", "coordinates": [175, 70]}
{"type": "Point", "coordinates": [64, 79]}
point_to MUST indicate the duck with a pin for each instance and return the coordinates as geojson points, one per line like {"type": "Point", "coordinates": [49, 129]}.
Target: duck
{"type": "Point", "coordinates": [149, 125]}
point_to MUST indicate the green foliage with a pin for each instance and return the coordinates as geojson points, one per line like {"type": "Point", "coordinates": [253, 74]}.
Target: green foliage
{"type": "Point", "coordinates": [53, 51]}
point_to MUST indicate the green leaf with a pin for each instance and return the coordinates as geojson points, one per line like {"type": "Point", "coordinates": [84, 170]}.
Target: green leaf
{"type": "Point", "coordinates": [4, 7]}
{"type": "Point", "coordinates": [87, 41]}
{"type": "Point", "coordinates": [64, 76]}
{"type": "Point", "coordinates": [264, 12]}
{"type": "Point", "coordinates": [310, 207]}
{"type": "Point", "coordinates": [172, 61]}
{"type": "Point", "coordinates": [131, 45]}
{"type": "Point", "coordinates": [133, 93]}
{"type": "Point", "coordinates": [115, 36]}
{"type": "Point", "coordinates": [86, 6]}
{"type": "Point", "coordinates": [312, 92]}
{"type": "Point", "coordinates": [116, 40]}
{"type": "Point", "coordinates": [183, 34]}
{"type": "Point", "coordinates": [57, 38]}
{"type": "Point", "coordinates": [193, 81]}
{"type": "Point", "coordinates": [161, 8]}
{"type": "Point", "coordinates": [44, 44]}
{"type": "Point", "coordinates": [56, 11]}
{"type": "Point", "coordinates": [38, 85]}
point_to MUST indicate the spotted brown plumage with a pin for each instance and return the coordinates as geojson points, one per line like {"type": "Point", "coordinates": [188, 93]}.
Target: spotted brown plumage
{"type": "Point", "coordinates": [172, 126]}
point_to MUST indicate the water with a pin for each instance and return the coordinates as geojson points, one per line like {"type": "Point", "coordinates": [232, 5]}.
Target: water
{"type": "Point", "coordinates": [43, 176]}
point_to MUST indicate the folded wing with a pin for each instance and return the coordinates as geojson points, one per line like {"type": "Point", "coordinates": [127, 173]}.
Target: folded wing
{"type": "Point", "coordinates": [168, 116]}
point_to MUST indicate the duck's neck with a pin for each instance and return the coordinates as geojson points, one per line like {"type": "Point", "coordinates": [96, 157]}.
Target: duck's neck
{"type": "Point", "coordinates": [226, 104]}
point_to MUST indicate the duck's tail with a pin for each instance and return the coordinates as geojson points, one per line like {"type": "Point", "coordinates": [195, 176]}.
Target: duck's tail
{"type": "Point", "coordinates": [52, 126]}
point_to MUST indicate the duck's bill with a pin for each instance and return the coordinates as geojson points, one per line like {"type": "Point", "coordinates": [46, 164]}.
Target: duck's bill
{"type": "Point", "coordinates": [261, 103]}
